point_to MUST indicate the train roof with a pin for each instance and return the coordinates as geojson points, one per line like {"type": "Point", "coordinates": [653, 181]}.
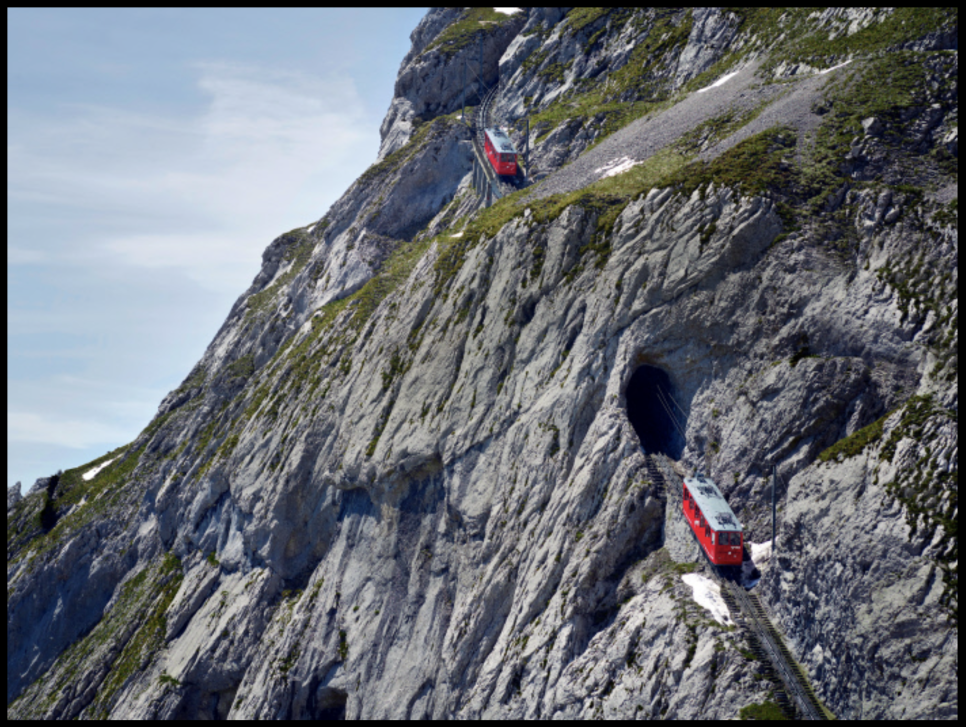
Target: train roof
{"type": "Point", "coordinates": [501, 142]}
{"type": "Point", "coordinates": [712, 503]}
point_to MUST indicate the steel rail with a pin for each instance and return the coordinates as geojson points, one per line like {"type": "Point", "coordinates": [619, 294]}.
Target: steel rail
{"type": "Point", "coordinates": [483, 118]}
{"type": "Point", "coordinates": [751, 615]}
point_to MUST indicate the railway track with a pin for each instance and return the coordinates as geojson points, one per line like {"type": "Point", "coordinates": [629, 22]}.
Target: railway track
{"type": "Point", "coordinates": [482, 118]}
{"type": "Point", "coordinates": [794, 693]}
{"type": "Point", "coordinates": [655, 475]}
{"type": "Point", "coordinates": [769, 641]}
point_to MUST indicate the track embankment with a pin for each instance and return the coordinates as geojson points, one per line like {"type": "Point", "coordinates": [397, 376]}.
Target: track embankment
{"type": "Point", "coordinates": [777, 661]}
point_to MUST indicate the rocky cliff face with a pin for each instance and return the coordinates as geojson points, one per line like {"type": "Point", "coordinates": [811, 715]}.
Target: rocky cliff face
{"type": "Point", "coordinates": [404, 481]}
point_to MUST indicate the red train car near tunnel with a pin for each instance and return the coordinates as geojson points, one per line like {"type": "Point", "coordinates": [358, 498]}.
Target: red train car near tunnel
{"type": "Point", "coordinates": [715, 525]}
{"type": "Point", "coordinates": [500, 151]}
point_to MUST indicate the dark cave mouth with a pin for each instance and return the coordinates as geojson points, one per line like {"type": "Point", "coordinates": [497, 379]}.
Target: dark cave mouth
{"type": "Point", "coordinates": [653, 411]}
{"type": "Point", "coordinates": [329, 704]}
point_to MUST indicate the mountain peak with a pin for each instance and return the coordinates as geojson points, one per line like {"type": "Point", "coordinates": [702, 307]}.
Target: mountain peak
{"type": "Point", "coordinates": [432, 464]}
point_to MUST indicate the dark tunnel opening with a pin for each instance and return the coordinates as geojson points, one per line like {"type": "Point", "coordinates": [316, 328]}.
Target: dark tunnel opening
{"type": "Point", "coordinates": [654, 413]}
{"type": "Point", "coordinates": [328, 704]}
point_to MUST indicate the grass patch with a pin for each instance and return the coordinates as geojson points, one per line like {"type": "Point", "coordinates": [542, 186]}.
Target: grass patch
{"type": "Point", "coordinates": [124, 641]}
{"type": "Point", "coordinates": [103, 495]}
{"type": "Point", "coordinates": [885, 88]}
{"type": "Point", "coordinates": [856, 442]}
{"type": "Point", "coordinates": [765, 710]}
{"type": "Point", "coordinates": [682, 568]}
{"type": "Point", "coordinates": [631, 91]}
{"type": "Point", "coordinates": [242, 367]}
{"type": "Point", "coordinates": [753, 166]}
{"type": "Point", "coordinates": [297, 253]}
{"type": "Point", "coordinates": [805, 43]}
{"type": "Point", "coordinates": [466, 29]}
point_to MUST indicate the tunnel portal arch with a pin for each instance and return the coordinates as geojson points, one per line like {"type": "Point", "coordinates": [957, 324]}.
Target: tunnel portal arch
{"type": "Point", "coordinates": [653, 412]}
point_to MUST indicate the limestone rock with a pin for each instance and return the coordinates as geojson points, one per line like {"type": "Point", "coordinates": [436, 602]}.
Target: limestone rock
{"type": "Point", "coordinates": [403, 480]}
{"type": "Point", "coordinates": [13, 496]}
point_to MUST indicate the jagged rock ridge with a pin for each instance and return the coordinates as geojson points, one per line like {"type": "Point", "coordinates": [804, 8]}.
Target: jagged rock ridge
{"type": "Point", "coordinates": [402, 480]}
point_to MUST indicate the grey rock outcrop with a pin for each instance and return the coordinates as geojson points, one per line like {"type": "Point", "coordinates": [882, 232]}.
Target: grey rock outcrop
{"type": "Point", "coordinates": [430, 80]}
{"type": "Point", "coordinates": [39, 485]}
{"type": "Point", "coordinates": [882, 593]}
{"type": "Point", "coordinates": [13, 496]}
{"type": "Point", "coordinates": [403, 481]}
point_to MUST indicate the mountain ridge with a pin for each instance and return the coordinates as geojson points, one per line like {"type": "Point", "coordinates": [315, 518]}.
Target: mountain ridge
{"type": "Point", "coordinates": [402, 480]}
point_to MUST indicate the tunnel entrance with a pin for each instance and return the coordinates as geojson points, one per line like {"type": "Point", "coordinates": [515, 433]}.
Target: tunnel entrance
{"type": "Point", "coordinates": [650, 409]}
{"type": "Point", "coordinates": [328, 704]}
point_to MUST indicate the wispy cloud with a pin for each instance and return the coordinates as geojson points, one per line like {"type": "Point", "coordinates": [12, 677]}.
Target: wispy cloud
{"type": "Point", "coordinates": [30, 427]}
{"type": "Point", "coordinates": [110, 414]}
{"type": "Point", "coordinates": [204, 192]}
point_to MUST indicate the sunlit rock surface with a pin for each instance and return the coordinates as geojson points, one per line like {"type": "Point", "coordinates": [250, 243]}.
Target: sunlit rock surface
{"type": "Point", "coordinates": [405, 480]}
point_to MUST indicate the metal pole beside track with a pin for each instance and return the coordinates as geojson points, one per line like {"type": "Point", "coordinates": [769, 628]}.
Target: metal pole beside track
{"type": "Point", "coordinates": [481, 67]}
{"type": "Point", "coordinates": [526, 155]}
{"type": "Point", "coordinates": [774, 484]}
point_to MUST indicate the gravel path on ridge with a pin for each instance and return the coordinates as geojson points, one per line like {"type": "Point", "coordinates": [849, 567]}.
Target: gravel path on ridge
{"type": "Point", "coordinates": [641, 139]}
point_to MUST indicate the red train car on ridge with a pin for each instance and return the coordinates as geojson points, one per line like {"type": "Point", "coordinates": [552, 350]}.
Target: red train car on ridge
{"type": "Point", "coordinates": [715, 525]}
{"type": "Point", "coordinates": [500, 151]}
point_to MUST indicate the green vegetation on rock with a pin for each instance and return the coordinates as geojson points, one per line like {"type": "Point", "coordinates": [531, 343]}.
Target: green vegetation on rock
{"type": "Point", "coordinates": [764, 711]}
{"type": "Point", "coordinates": [856, 442]}
{"type": "Point", "coordinates": [467, 29]}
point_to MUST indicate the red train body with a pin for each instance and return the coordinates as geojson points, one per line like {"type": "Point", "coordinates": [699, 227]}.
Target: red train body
{"type": "Point", "coordinates": [500, 152]}
{"type": "Point", "coordinates": [714, 524]}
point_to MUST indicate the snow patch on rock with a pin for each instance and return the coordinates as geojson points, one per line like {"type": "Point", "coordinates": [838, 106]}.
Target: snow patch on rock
{"type": "Point", "coordinates": [618, 166]}
{"type": "Point", "coordinates": [92, 473]}
{"type": "Point", "coordinates": [707, 594]}
{"type": "Point", "coordinates": [827, 70]}
{"type": "Point", "coordinates": [760, 552]}
{"type": "Point", "coordinates": [724, 79]}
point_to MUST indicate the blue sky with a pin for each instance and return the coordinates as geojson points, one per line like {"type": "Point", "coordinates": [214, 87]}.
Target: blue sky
{"type": "Point", "coordinates": [152, 155]}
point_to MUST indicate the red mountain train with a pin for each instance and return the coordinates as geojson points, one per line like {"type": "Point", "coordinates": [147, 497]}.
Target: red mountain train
{"type": "Point", "coordinates": [500, 151]}
{"type": "Point", "coordinates": [715, 525]}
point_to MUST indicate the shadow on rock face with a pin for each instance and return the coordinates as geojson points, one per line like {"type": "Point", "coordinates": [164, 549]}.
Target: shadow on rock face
{"type": "Point", "coordinates": [654, 413]}
{"type": "Point", "coordinates": [329, 704]}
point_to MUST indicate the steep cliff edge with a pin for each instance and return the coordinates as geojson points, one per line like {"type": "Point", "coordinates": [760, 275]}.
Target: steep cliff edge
{"type": "Point", "coordinates": [403, 479]}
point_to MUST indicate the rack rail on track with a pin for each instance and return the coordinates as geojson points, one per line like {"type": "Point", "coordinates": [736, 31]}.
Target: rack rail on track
{"type": "Point", "coordinates": [777, 661]}
{"type": "Point", "coordinates": [482, 118]}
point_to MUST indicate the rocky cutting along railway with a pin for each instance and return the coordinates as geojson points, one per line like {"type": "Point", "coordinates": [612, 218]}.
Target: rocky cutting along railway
{"type": "Point", "coordinates": [406, 479]}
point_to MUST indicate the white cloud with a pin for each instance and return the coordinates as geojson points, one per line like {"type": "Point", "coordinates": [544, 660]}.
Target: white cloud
{"type": "Point", "coordinates": [24, 256]}
{"type": "Point", "coordinates": [204, 192]}
{"type": "Point", "coordinates": [74, 433]}
{"type": "Point", "coordinates": [75, 412]}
